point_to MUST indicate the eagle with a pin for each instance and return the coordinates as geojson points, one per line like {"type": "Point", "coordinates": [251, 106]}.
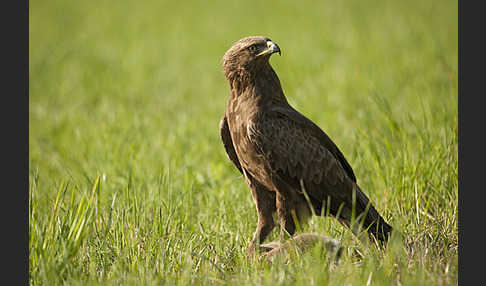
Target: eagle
{"type": "Point", "coordinates": [292, 167]}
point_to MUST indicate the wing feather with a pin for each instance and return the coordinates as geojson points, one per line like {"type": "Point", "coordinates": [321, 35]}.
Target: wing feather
{"type": "Point", "coordinates": [294, 151]}
{"type": "Point", "coordinates": [310, 127]}
{"type": "Point", "coordinates": [228, 142]}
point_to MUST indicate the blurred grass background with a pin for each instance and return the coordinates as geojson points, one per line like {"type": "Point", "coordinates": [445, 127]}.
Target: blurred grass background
{"type": "Point", "coordinates": [129, 183]}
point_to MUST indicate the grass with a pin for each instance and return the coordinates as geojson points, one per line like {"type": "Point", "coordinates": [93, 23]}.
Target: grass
{"type": "Point", "coordinates": [128, 180]}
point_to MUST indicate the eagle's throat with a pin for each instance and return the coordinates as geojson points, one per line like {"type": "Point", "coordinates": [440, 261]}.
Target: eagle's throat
{"type": "Point", "coordinates": [256, 82]}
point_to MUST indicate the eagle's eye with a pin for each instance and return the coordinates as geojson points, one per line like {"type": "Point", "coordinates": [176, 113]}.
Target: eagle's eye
{"type": "Point", "coordinates": [252, 48]}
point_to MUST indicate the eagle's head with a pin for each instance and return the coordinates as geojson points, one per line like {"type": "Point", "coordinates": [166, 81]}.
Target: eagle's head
{"type": "Point", "coordinates": [247, 56]}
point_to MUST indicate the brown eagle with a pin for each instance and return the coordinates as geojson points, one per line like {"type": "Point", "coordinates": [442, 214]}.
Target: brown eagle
{"type": "Point", "coordinates": [291, 166]}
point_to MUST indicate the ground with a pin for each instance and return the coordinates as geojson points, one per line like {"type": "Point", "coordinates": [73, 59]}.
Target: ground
{"type": "Point", "coordinates": [129, 182]}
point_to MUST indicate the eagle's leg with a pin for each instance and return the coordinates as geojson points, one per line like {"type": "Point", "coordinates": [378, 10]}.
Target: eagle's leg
{"type": "Point", "coordinates": [265, 206]}
{"type": "Point", "coordinates": [284, 212]}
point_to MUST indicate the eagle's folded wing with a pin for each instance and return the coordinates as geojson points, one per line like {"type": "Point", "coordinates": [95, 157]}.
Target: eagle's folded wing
{"type": "Point", "coordinates": [297, 154]}
{"type": "Point", "coordinates": [228, 143]}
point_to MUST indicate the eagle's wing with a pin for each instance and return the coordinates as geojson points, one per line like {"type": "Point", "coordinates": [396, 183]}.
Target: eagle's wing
{"type": "Point", "coordinates": [228, 143]}
{"type": "Point", "coordinates": [316, 132]}
{"type": "Point", "coordinates": [298, 151]}
{"type": "Point", "coordinates": [303, 157]}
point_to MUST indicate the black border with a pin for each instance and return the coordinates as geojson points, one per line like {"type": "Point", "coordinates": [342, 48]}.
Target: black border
{"type": "Point", "coordinates": [15, 136]}
{"type": "Point", "coordinates": [471, 143]}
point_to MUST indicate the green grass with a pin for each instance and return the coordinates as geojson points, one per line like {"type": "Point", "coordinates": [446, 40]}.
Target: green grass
{"type": "Point", "coordinates": [129, 183]}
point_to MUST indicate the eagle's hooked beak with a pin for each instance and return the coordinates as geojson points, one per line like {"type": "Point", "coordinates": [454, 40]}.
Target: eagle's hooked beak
{"type": "Point", "coordinates": [271, 48]}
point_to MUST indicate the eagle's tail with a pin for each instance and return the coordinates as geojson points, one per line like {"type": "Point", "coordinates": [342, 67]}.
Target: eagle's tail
{"type": "Point", "coordinates": [373, 221]}
{"type": "Point", "coordinates": [365, 217]}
